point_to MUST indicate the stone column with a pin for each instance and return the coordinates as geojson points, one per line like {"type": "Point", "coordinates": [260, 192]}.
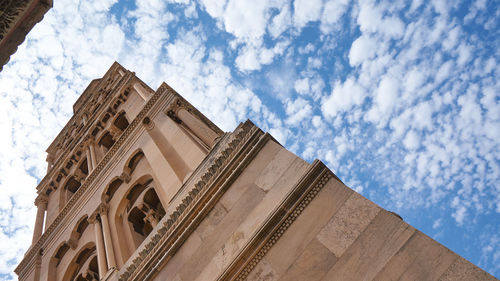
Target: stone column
{"type": "Point", "coordinates": [93, 157]}
{"type": "Point", "coordinates": [110, 254]}
{"type": "Point", "coordinates": [121, 72]}
{"type": "Point", "coordinates": [101, 254]}
{"type": "Point", "coordinates": [41, 203]}
{"type": "Point", "coordinates": [114, 132]}
{"type": "Point", "coordinates": [89, 161]}
{"type": "Point", "coordinates": [151, 217]}
{"type": "Point", "coordinates": [180, 168]}
{"type": "Point", "coordinates": [199, 129]}
{"type": "Point", "coordinates": [140, 90]}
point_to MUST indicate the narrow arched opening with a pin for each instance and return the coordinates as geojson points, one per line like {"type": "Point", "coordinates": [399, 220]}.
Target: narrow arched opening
{"type": "Point", "coordinates": [121, 122]}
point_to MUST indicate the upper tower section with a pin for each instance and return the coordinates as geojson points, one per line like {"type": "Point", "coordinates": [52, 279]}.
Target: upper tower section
{"type": "Point", "coordinates": [125, 145]}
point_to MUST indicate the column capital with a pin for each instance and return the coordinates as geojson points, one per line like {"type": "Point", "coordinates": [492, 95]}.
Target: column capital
{"type": "Point", "coordinates": [88, 140]}
{"type": "Point", "coordinates": [102, 209]}
{"type": "Point", "coordinates": [72, 243]}
{"type": "Point", "coordinates": [41, 199]}
{"type": "Point", "coordinates": [93, 218]}
{"type": "Point", "coordinates": [125, 177]}
{"type": "Point", "coordinates": [148, 123]}
{"type": "Point", "coordinates": [115, 132]}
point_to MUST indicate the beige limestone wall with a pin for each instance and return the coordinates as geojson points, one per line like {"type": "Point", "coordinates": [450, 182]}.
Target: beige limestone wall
{"type": "Point", "coordinates": [340, 235]}
{"type": "Point", "coordinates": [236, 217]}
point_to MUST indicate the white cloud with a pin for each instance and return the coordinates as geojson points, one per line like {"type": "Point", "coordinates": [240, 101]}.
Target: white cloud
{"type": "Point", "coordinates": [372, 20]}
{"type": "Point", "coordinates": [333, 10]}
{"type": "Point", "coordinates": [297, 111]}
{"type": "Point", "coordinates": [364, 48]}
{"type": "Point", "coordinates": [344, 96]}
{"type": "Point", "coordinates": [411, 141]}
{"type": "Point", "coordinates": [383, 102]}
{"type": "Point", "coordinates": [306, 11]}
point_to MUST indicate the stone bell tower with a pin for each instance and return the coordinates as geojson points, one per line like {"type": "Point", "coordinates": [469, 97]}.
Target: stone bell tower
{"type": "Point", "coordinates": [141, 186]}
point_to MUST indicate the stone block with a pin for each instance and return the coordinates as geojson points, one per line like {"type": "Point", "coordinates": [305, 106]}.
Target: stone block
{"type": "Point", "coordinates": [263, 271]}
{"type": "Point", "coordinates": [307, 225]}
{"type": "Point", "coordinates": [462, 270]}
{"type": "Point", "coordinates": [348, 223]}
{"type": "Point", "coordinates": [274, 169]}
{"type": "Point", "coordinates": [421, 258]}
{"type": "Point", "coordinates": [383, 237]}
{"type": "Point", "coordinates": [213, 242]}
{"type": "Point", "coordinates": [312, 264]}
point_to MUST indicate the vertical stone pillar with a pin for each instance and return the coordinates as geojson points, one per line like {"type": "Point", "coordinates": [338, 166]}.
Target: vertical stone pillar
{"type": "Point", "coordinates": [41, 203]}
{"type": "Point", "coordinates": [93, 157]}
{"type": "Point", "coordinates": [101, 254]}
{"type": "Point", "coordinates": [180, 168]}
{"type": "Point", "coordinates": [89, 161]}
{"type": "Point", "coordinates": [199, 129]}
{"type": "Point", "coordinates": [114, 132]}
{"type": "Point", "coordinates": [121, 72]}
{"type": "Point", "coordinates": [151, 217]}
{"type": "Point", "coordinates": [110, 254]}
{"type": "Point", "coordinates": [140, 90]}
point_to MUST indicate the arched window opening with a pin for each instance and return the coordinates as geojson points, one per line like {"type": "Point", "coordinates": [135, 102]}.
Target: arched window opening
{"type": "Point", "coordinates": [107, 141]}
{"type": "Point", "coordinates": [135, 192]}
{"type": "Point", "coordinates": [112, 188]}
{"type": "Point", "coordinates": [134, 161]}
{"type": "Point", "coordinates": [72, 185]}
{"type": "Point", "coordinates": [80, 228]}
{"type": "Point", "coordinates": [145, 211]}
{"type": "Point", "coordinates": [84, 167]}
{"type": "Point", "coordinates": [84, 266]}
{"type": "Point", "coordinates": [89, 271]}
{"type": "Point", "coordinates": [121, 122]}
{"type": "Point", "coordinates": [105, 118]}
{"type": "Point", "coordinates": [60, 253]}
{"type": "Point", "coordinates": [95, 131]}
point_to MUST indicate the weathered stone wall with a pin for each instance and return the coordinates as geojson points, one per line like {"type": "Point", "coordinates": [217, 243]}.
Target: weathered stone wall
{"type": "Point", "coordinates": [339, 235]}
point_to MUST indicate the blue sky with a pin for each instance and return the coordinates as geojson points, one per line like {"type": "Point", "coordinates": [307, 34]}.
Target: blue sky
{"type": "Point", "coordinates": [401, 99]}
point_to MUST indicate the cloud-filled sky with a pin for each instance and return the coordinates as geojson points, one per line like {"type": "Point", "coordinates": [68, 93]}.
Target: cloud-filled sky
{"type": "Point", "coordinates": [401, 99]}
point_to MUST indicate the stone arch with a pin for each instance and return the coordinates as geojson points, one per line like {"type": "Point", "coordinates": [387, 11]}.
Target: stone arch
{"type": "Point", "coordinates": [132, 212]}
{"type": "Point", "coordinates": [81, 259]}
{"type": "Point", "coordinates": [70, 186]}
{"type": "Point", "coordinates": [81, 225]}
{"type": "Point", "coordinates": [55, 259]}
{"type": "Point", "coordinates": [133, 161]}
{"type": "Point", "coordinates": [110, 190]}
{"type": "Point", "coordinates": [120, 121]}
{"type": "Point", "coordinates": [106, 141]}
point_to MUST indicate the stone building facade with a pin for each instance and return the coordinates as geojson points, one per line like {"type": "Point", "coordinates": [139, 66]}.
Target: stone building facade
{"type": "Point", "coordinates": [142, 186]}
